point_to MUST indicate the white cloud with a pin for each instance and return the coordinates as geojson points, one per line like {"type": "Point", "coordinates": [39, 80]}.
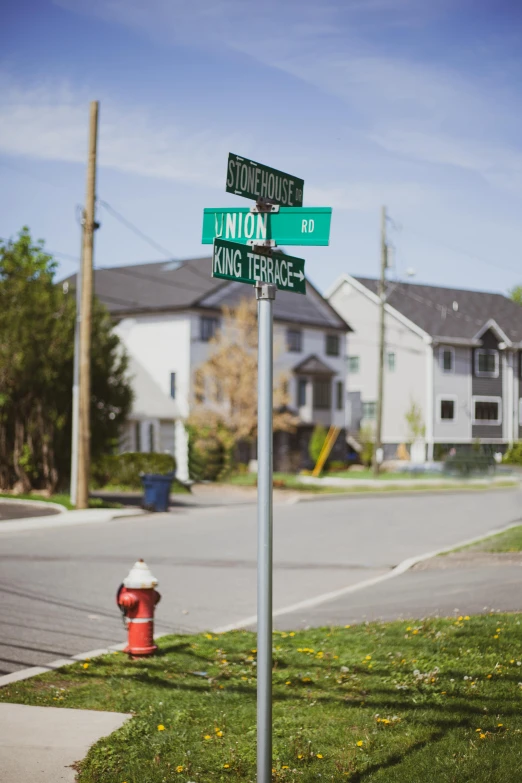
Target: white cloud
{"type": "Point", "coordinates": [50, 122]}
{"type": "Point", "coordinates": [423, 110]}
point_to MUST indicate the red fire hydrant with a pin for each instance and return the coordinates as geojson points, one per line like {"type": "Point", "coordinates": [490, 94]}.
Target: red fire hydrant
{"type": "Point", "coordinates": [137, 598]}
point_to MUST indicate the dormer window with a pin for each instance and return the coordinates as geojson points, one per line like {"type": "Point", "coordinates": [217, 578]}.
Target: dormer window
{"type": "Point", "coordinates": [486, 363]}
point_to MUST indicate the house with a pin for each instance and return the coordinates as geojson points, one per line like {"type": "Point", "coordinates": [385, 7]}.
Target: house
{"type": "Point", "coordinates": [166, 313]}
{"type": "Point", "coordinates": [455, 354]}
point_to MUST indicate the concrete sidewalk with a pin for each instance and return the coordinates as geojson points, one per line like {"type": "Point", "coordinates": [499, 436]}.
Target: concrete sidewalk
{"type": "Point", "coordinates": [67, 518]}
{"type": "Point", "coordinates": [42, 743]}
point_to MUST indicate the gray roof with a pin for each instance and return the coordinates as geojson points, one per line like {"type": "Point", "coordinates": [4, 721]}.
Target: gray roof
{"type": "Point", "coordinates": [179, 285]}
{"type": "Point", "coordinates": [433, 309]}
{"type": "Point", "coordinates": [312, 365]}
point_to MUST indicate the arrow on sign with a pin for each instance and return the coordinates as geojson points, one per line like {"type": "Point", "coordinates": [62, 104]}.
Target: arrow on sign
{"type": "Point", "coordinates": [299, 275]}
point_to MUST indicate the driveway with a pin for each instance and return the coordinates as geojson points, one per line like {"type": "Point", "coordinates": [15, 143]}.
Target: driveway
{"type": "Point", "coordinates": [59, 585]}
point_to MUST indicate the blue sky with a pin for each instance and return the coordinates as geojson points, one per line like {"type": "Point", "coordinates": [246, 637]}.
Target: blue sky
{"type": "Point", "coordinates": [398, 102]}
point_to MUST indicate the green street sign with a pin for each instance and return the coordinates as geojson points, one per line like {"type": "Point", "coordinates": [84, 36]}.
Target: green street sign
{"type": "Point", "coordinates": [253, 180]}
{"type": "Point", "coordinates": [232, 261]}
{"type": "Point", "coordinates": [289, 226]}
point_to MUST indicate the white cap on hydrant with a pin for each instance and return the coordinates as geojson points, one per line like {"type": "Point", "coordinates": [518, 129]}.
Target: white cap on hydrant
{"type": "Point", "coordinates": [140, 577]}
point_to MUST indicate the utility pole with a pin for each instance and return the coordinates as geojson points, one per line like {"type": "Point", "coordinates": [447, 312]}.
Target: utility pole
{"type": "Point", "coordinates": [89, 226]}
{"type": "Point", "coordinates": [76, 379]}
{"type": "Point", "coordinates": [377, 457]}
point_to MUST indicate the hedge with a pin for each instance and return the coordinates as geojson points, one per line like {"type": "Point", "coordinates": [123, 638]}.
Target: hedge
{"type": "Point", "coordinates": [123, 470]}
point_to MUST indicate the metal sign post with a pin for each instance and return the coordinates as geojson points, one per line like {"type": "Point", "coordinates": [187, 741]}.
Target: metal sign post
{"type": "Point", "coordinates": [243, 252]}
{"type": "Point", "coordinates": [265, 295]}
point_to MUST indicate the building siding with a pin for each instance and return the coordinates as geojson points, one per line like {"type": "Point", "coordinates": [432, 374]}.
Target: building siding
{"type": "Point", "coordinates": [487, 387]}
{"type": "Point", "coordinates": [454, 385]}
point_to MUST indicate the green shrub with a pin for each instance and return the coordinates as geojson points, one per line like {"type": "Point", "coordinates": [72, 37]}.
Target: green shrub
{"type": "Point", "coordinates": [317, 442]}
{"type": "Point", "coordinates": [513, 456]}
{"type": "Point", "coordinates": [465, 463]}
{"type": "Point", "coordinates": [123, 470]}
{"type": "Point", "coordinates": [207, 457]}
{"type": "Point", "coordinates": [337, 464]}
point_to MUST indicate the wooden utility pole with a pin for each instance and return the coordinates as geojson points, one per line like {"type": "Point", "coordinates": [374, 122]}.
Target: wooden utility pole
{"type": "Point", "coordinates": [382, 326]}
{"type": "Point", "coordinates": [84, 434]}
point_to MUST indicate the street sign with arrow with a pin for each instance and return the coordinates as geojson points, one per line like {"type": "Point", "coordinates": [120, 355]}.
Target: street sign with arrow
{"type": "Point", "coordinates": [232, 261]}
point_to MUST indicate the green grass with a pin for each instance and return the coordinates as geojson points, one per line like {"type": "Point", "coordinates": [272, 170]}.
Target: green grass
{"type": "Point", "coordinates": [293, 482]}
{"type": "Point", "coordinates": [63, 500]}
{"type": "Point", "coordinates": [510, 541]}
{"type": "Point", "coordinates": [435, 701]}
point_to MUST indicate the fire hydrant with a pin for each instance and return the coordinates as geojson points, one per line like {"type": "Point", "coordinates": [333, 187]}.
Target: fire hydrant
{"type": "Point", "coordinates": [137, 598]}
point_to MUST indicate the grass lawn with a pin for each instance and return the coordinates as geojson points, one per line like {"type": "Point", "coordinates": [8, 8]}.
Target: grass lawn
{"type": "Point", "coordinates": [63, 500]}
{"type": "Point", "coordinates": [436, 701]}
{"type": "Point", "coordinates": [293, 482]}
{"type": "Point", "coordinates": [510, 541]}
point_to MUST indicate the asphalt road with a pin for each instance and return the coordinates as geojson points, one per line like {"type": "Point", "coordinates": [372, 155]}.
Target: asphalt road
{"type": "Point", "coordinates": [58, 585]}
{"type": "Point", "coordinates": [20, 510]}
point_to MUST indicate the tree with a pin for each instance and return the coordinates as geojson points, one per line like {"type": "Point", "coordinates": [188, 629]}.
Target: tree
{"type": "Point", "coordinates": [317, 442]}
{"type": "Point", "coordinates": [516, 294]}
{"type": "Point", "coordinates": [36, 363]}
{"type": "Point", "coordinates": [225, 385]}
{"type": "Point", "coordinates": [415, 421]}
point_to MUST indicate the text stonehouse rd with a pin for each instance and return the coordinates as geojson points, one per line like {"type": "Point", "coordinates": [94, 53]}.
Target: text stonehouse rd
{"type": "Point", "coordinates": [253, 180]}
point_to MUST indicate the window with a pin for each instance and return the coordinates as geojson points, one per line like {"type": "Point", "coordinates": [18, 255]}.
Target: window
{"type": "Point", "coordinates": [487, 410]}
{"type": "Point", "coordinates": [369, 410]}
{"type": "Point", "coordinates": [486, 363]}
{"type": "Point", "coordinates": [332, 345]}
{"type": "Point", "coordinates": [137, 436]}
{"type": "Point", "coordinates": [340, 396]}
{"type": "Point", "coordinates": [391, 362]}
{"type": "Point", "coordinates": [294, 340]}
{"type": "Point", "coordinates": [207, 328]}
{"type": "Point", "coordinates": [447, 359]}
{"type": "Point", "coordinates": [322, 394]}
{"type": "Point", "coordinates": [151, 438]}
{"type": "Point", "coordinates": [447, 410]}
{"type": "Point", "coordinates": [173, 385]}
{"type": "Point", "coordinates": [353, 364]}
{"type": "Point", "coordinates": [301, 392]}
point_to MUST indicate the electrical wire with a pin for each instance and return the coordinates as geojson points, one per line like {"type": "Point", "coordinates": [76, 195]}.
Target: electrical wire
{"type": "Point", "coordinates": [123, 220]}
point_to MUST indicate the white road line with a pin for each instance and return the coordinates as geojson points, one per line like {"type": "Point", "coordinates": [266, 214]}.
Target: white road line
{"type": "Point", "coordinates": [33, 671]}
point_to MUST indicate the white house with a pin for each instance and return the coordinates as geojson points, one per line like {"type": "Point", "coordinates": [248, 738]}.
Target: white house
{"type": "Point", "coordinates": [455, 353]}
{"type": "Point", "coordinates": [166, 313]}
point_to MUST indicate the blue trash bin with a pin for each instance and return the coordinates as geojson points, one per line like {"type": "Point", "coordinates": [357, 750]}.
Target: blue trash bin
{"type": "Point", "coordinates": [156, 491]}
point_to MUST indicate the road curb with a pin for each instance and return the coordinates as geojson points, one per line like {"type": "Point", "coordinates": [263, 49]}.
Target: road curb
{"type": "Point", "coordinates": [401, 568]}
{"type": "Point", "coordinates": [70, 519]}
{"type": "Point", "coordinates": [385, 493]}
{"type": "Point", "coordinates": [37, 503]}
{"type": "Point", "coordinates": [404, 566]}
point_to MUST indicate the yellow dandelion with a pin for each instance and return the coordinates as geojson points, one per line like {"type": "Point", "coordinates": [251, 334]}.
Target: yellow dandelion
{"type": "Point", "coordinates": [319, 755]}
{"type": "Point", "coordinates": [179, 768]}
{"type": "Point", "coordinates": [467, 617]}
{"type": "Point", "coordinates": [226, 766]}
{"type": "Point", "coordinates": [495, 636]}
{"type": "Point", "coordinates": [161, 727]}
{"type": "Point", "coordinates": [482, 736]}
{"type": "Point", "coordinates": [408, 628]}
{"type": "Point", "coordinates": [292, 633]}
{"type": "Point", "coordinates": [285, 766]}
{"type": "Point", "coordinates": [499, 725]}
{"type": "Point", "coordinates": [288, 682]}
{"type": "Point", "coordinates": [207, 737]}
{"type": "Point", "coordinates": [85, 665]}
{"type": "Point", "coordinates": [219, 733]}
{"type": "Point", "coordinates": [490, 676]}
{"type": "Point", "coordinates": [360, 743]}
{"type": "Point", "coordinates": [478, 729]}
{"type": "Point", "coordinates": [299, 755]}
{"type": "Point", "coordinates": [368, 657]}
{"type": "Point", "coordinates": [415, 631]}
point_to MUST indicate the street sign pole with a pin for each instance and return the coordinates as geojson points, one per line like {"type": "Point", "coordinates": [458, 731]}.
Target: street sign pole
{"type": "Point", "coordinates": [265, 294]}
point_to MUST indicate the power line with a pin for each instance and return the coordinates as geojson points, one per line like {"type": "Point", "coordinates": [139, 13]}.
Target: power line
{"type": "Point", "coordinates": [123, 220]}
